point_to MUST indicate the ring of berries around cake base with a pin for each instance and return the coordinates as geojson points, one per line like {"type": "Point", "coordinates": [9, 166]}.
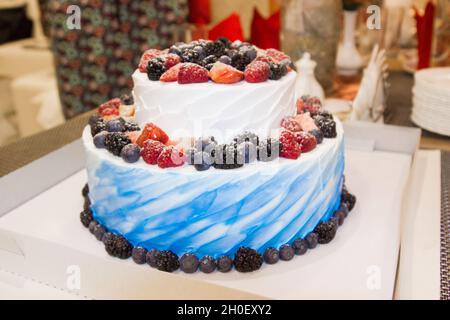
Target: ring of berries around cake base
{"type": "Point", "coordinates": [181, 218]}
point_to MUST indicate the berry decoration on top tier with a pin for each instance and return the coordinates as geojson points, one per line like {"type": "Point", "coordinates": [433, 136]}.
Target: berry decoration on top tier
{"type": "Point", "coordinates": [223, 73]}
{"type": "Point", "coordinates": [115, 141]}
{"type": "Point", "coordinates": [152, 132]}
{"type": "Point", "coordinates": [257, 71]}
{"type": "Point", "coordinates": [192, 73]}
{"type": "Point", "coordinates": [170, 157]}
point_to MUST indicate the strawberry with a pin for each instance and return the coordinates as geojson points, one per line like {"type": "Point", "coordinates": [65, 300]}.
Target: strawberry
{"type": "Point", "coordinates": [111, 104]}
{"type": "Point", "coordinates": [257, 71]}
{"type": "Point", "coordinates": [306, 140]}
{"type": "Point", "coordinates": [152, 132]}
{"type": "Point", "coordinates": [192, 73]}
{"type": "Point", "coordinates": [223, 73]}
{"type": "Point", "coordinates": [290, 124]}
{"type": "Point", "coordinates": [276, 55]}
{"type": "Point", "coordinates": [300, 104]}
{"type": "Point", "coordinates": [151, 151]}
{"type": "Point", "coordinates": [171, 75]}
{"type": "Point", "coordinates": [146, 57]}
{"type": "Point", "coordinates": [170, 157]}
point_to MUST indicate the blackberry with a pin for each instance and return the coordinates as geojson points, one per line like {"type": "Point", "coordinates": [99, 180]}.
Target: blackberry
{"type": "Point", "coordinates": [327, 126]}
{"type": "Point", "coordinates": [216, 48]}
{"type": "Point", "coordinates": [116, 141]}
{"type": "Point", "coordinates": [277, 71]}
{"type": "Point", "coordinates": [98, 127]}
{"type": "Point", "coordinates": [155, 69]}
{"type": "Point", "coordinates": [247, 260]}
{"type": "Point", "coordinates": [325, 231]}
{"type": "Point", "coordinates": [349, 199]}
{"type": "Point", "coordinates": [139, 255]}
{"type": "Point", "coordinates": [228, 157]}
{"type": "Point", "coordinates": [93, 119]}
{"type": "Point", "coordinates": [131, 126]}
{"type": "Point", "coordinates": [269, 150]}
{"type": "Point", "coordinates": [189, 263]}
{"type": "Point", "coordinates": [225, 41]}
{"type": "Point", "coordinates": [286, 252]}
{"type": "Point", "coordinates": [207, 264]}
{"type": "Point", "coordinates": [300, 246]}
{"type": "Point", "coordinates": [224, 264]}
{"type": "Point", "coordinates": [324, 113]}
{"type": "Point", "coordinates": [312, 239]}
{"type": "Point", "coordinates": [211, 59]}
{"type": "Point", "coordinates": [87, 204]}
{"type": "Point", "coordinates": [86, 217]}
{"type": "Point", "coordinates": [271, 256]}
{"type": "Point", "coordinates": [85, 190]}
{"type": "Point", "coordinates": [188, 54]}
{"type": "Point", "coordinates": [167, 261]}
{"type": "Point", "coordinates": [127, 99]}
{"type": "Point", "coordinates": [152, 257]}
{"type": "Point", "coordinates": [239, 61]}
{"type": "Point", "coordinates": [118, 246]}
{"type": "Point", "coordinates": [247, 136]}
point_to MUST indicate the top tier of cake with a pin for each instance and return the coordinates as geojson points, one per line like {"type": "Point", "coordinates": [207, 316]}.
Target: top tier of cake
{"type": "Point", "coordinates": [220, 110]}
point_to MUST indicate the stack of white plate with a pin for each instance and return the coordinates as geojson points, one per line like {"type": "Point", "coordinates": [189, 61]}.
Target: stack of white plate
{"type": "Point", "coordinates": [431, 100]}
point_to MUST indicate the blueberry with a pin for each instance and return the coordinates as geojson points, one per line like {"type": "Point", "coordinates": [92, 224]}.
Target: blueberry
{"type": "Point", "coordinates": [225, 59]}
{"type": "Point", "coordinates": [94, 119]}
{"type": "Point", "coordinates": [189, 263]}
{"type": "Point", "coordinates": [271, 256]}
{"type": "Point", "coordinates": [99, 231]}
{"type": "Point", "coordinates": [286, 252]}
{"type": "Point", "coordinates": [152, 257]}
{"type": "Point", "coordinates": [199, 51]}
{"type": "Point", "coordinates": [107, 236]}
{"type": "Point", "coordinates": [139, 255]}
{"type": "Point", "coordinates": [92, 226]}
{"type": "Point", "coordinates": [207, 264]}
{"type": "Point", "coordinates": [318, 134]}
{"type": "Point", "coordinates": [130, 153]}
{"type": "Point", "coordinates": [312, 240]}
{"type": "Point", "coordinates": [202, 161]}
{"type": "Point", "coordinates": [99, 139]}
{"type": "Point", "coordinates": [335, 221]}
{"type": "Point", "coordinates": [340, 216]}
{"type": "Point", "coordinates": [115, 125]}
{"type": "Point", "coordinates": [344, 209]}
{"type": "Point", "coordinates": [250, 54]}
{"type": "Point", "coordinates": [249, 151]}
{"type": "Point", "coordinates": [224, 264]}
{"type": "Point", "coordinates": [300, 246]}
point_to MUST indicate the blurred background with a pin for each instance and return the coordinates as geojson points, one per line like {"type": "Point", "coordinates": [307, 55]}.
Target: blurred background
{"type": "Point", "coordinates": [51, 72]}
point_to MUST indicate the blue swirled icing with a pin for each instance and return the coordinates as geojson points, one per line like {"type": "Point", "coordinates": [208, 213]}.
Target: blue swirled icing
{"type": "Point", "coordinates": [215, 212]}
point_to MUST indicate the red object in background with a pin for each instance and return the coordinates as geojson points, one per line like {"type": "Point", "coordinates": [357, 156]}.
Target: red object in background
{"type": "Point", "coordinates": [229, 27]}
{"type": "Point", "coordinates": [265, 33]}
{"type": "Point", "coordinates": [199, 11]}
{"type": "Point", "coordinates": [424, 35]}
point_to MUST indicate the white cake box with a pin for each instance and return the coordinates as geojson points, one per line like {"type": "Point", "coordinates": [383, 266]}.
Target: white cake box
{"type": "Point", "coordinates": [41, 237]}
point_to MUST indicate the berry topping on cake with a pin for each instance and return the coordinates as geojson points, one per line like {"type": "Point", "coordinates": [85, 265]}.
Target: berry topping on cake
{"type": "Point", "coordinates": [151, 257]}
{"type": "Point", "coordinates": [225, 60]}
{"type": "Point", "coordinates": [189, 263]}
{"type": "Point", "coordinates": [257, 71]}
{"type": "Point", "coordinates": [313, 105]}
{"type": "Point", "coordinates": [108, 107]}
{"type": "Point", "coordinates": [94, 119]}
{"type": "Point", "coordinates": [286, 252]}
{"type": "Point", "coordinates": [271, 256]}
{"type": "Point", "coordinates": [277, 71]}
{"type": "Point", "coordinates": [86, 217]}
{"type": "Point", "coordinates": [170, 157]}
{"type": "Point", "coordinates": [327, 126]}
{"type": "Point", "coordinates": [326, 231]}
{"type": "Point", "coordinates": [318, 135]}
{"type": "Point", "coordinates": [209, 60]}
{"type": "Point", "coordinates": [99, 139]}
{"type": "Point", "coordinates": [348, 199]}
{"type": "Point", "coordinates": [170, 60]}
{"type": "Point", "coordinates": [85, 190]}
{"type": "Point", "coordinates": [152, 132]}
{"type": "Point", "coordinates": [166, 261]}
{"type": "Point", "coordinates": [306, 122]}
{"type": "Point", "coordinates": [171, 75]}
{"type": "Point", "coordinates": [300, 246]}
{"type": "Point", "coordinates": [115, 141]}
{"type": "Point", "coordinates": [224, 264]}
{"type": "Point", "coordinates": [216, 48]}
{"type": "Point", "coordinates": [146, 57]}
{"type": "Point", "coordinates": [312, 239]}
{"type": "Point", "coordinates": [290, 148]}
{"type": "Point", "coordinates": [151, 151]}
{"type": "Point", "coordinates": [118, 246]}
{"type": "Point", "coordinates": [207, 264]}
{"type": "Point", "coordinates": [247, 260]}
{"type": "Point", "coordinates": [155, 68]}
{"type": "Point", "coordinates": [306, 140]}
{"type": "Point", "coordinates": [192, 73]}
{"type": "Point", "coordinates": [115, 125]}
{"type": "Point", "coordinates": [130, 153]}
{"type": "Point", "coordinates": [269, 149]}
{"type": "Point", "coordinates": [99, 231]}
{"type": "Point", "coordinates": [139, 255]}
{"type": "Point", "coordinates": [276, 55]}
{"type": "Point", "coordinates": [289, 123]}
{"type": "Point", "coordinates": [300, 105]}
{"type": "Point", "coordinates": [223, 73]}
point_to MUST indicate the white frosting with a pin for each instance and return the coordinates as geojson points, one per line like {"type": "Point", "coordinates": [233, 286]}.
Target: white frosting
{"type": "Point", "coordinates": [221, 110]}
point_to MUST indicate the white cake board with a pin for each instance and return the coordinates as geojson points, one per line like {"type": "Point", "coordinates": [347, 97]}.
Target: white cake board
{"type": "Point", "coordinates": [43, 239]}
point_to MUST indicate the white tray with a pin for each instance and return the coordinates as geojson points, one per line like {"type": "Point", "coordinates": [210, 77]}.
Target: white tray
{"type": "Point", "coordinates": [43, 239]}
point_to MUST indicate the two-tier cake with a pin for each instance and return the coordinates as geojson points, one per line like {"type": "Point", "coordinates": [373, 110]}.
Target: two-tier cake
{"type": "Point", "coordinates": [213, 163]}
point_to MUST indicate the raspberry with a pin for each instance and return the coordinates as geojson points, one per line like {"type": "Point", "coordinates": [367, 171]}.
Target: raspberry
{"type": "Point", "coordinates": [290, 148]}
{"type": "Point", "coordinates": [276, 55]}
{"type": "Point", "coordinates": [110, 112]}
{"type": "Point", "coordinates": [146, 57]}
{"type": "Point", "coordinates": [290, 124]}
{"type": "Point", "coordinates": [112, 104]}
{"type": "Point", "coordinates": [152, 132]}
{"type": "Point", "coordinates": [151, 151]}
{"type": "Point", "coordinates": [171, 75]}
{"type": "Point", "coordinates": [257, 71]}
{"type": "Point", "coordinates": [223, 73]}
{"type": "Point", "coordinates": [313, 105]}
{"type": "Point", "coordinates": [306, 140]}
{"type": "Point", "coordinates": [192, 73]}
{"type": "Point", "coordinates": [170, 157]}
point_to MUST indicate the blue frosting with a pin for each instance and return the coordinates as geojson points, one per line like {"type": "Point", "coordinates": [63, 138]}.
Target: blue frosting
{"type": "Point", "coordinates": [215, 212]}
